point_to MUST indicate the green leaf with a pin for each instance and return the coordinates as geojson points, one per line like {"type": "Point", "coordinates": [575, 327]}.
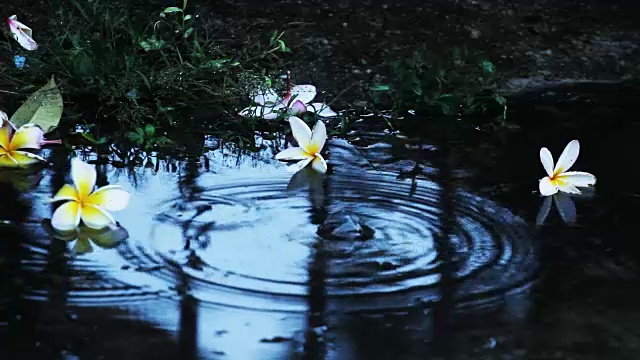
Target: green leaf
{"type": "Point", "coordinates": [149, 130]}
{"type": "Point", "coordinates": [488, 66]}
{"type": "Point", "coordinates": [187, 33]}
{"type": "Point", "coordinates": [172, 9]}
{"type": "Point", "coordinates": [500, 100]}
{"type": "Point", "coordinates": [89, 137]}
{"type": "Point", "coordinates": [152, 43]}
{"type": "Point", "coordinates": [380, 88]}
{"type": "Point", "coordinates": [187, 18]}
{"type": "Point", "coordinates": [42, 108]}
{"type": "Point", "coordinates": [132, 136]}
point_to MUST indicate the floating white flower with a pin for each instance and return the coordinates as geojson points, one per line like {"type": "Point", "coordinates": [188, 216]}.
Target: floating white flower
{"type": "Point", "coordinates": [13, 144]}
{"type": "Point", "coordinates": [21, 33]}
{"type": "Point", "coordinates": [92, 207]}
{"type": "Point", "coordinates": [298, 100]}
{"type": "Point", "coordinates": [310, 144]}
{"type": "Point", "coordinates": [559, 179]}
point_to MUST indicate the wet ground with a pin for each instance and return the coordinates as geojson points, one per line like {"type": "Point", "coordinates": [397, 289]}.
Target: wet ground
{"type": "Point", "coordinates": [406, 249]}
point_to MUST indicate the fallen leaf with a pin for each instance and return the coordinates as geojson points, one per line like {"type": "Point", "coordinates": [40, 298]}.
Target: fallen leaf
{"type": "Point", "coordinates": [42, 108]}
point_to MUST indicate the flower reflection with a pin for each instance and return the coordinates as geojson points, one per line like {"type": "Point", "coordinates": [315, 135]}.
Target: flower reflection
{"type": "Point", "coordinates": [82, 238]}
{"type": "Point", "coordinates": [565, 205]}
{"type": "Point", "coordinates": [23, 179]}
{"type": "Point", "coordinates": [311, 179]}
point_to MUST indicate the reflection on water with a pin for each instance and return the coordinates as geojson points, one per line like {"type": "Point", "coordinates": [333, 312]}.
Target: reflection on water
{"type": "Point", "coordinates": [82, 238]}
{"type": "Point", "coordinates": [250, 262]}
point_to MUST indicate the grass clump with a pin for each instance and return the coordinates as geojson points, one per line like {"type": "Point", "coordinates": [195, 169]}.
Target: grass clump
{"type": "Point", "coordinates": [455, 84]}
{"type": "Point", "coordinates": [132, 69]}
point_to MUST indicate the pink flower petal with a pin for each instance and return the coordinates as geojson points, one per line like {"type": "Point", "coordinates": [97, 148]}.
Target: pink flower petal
{"type": "Point", "coordinates": [298, 107]}
{"type": "Point", "coordinates": [21, 33]}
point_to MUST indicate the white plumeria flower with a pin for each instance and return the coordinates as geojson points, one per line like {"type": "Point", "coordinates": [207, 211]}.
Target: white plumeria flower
{"type": "Point", "coordinates": [559, 179]}
{"type": "Point", "coordinates": [14, 144]}
{"type": "Point", "coordinates": [310, 144]}
{"type": "Point", "coordinates": [22, 33]}
{"type": "Point", "coordinates": [92, 207]}
{"type": "Point", "coordinates": [297, 101]}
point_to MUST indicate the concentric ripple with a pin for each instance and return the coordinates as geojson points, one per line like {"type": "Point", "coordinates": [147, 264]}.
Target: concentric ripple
{"type": "Point", "coordinates": [250, 244]}
{"type": "Point", "coordinates": [362, 238]}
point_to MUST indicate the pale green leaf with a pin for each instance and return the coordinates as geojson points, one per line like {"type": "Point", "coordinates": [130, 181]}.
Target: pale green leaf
{"type": "Point", "coordinates": [187, 18]}
{"type": "Point", "coordinates": [42, 108]}
{"type": "Point", "coordinates": [172, 9]}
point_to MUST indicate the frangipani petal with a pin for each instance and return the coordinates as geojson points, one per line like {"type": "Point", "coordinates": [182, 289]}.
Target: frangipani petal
{"type": "Point", "coordinates": [321, 109]}
{"type": "Point", "coordinates": [265, 97]}
{"type": "Point", "coordinates": [83, 176]}
{"type": "Point", "coordinates": [95, 217]}
{"type": "Point", "coordinates": [4, 118]}
{"type": "Point", "coordinates": [578, 178]}
{"type": "Point", "coordinates": [66, 192]}
{"type": "Point", "coordinates": [568, 157]}
{"type": "Point", "coordinates": [5, 136]}
{"type": "Point", "coordinates": [318, 136]}
{"type": "Point", "coordinates": [304, 93]}
{"type": "Point", "coordinates": [547, 187]}
{"type": "Point", "coordinates": [26, 158]}
{"type": "Point", "coordinates": [67, 216]}
{"type": "Point", "coordinates": [110, 197]}
{"type": "Point", "coordinates": [299, 165]}
{"type": "Point", "coordinates": [318, 164]}
{"type": "Point", "coordinates": [28, 136]}
{"type": "Point", "coordinates": [293, 153]}
{"type": "Point", "coordinates": [6, 160]}
{"type": "Point", "coordinates": [301, 132]}
{"type": "Point", "coordinates": [298, 107]}
{"type": "Point", "coordinates": [544, 210]}
{"type": "Point", "coordinates": [547, 160]}
{"type": "Point", "coordinates": [568, 188]}
{"type": "Point", "coordinates": [21, 33]}
{"type": "Point", "coordinates": [566, 208]}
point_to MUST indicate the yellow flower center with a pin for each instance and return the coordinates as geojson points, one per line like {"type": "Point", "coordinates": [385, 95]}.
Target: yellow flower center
{"type": "Point", "coordinates": [313, 150]}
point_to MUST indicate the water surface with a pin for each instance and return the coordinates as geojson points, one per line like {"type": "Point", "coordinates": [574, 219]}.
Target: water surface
{"type": "Point", "coordinates": [399, 251]}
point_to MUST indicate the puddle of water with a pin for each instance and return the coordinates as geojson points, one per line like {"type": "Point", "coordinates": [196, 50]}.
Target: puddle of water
{"type": "Point", "coordinates": [260, 253]}
{"type": "Point", "coordinates": [233, 258]}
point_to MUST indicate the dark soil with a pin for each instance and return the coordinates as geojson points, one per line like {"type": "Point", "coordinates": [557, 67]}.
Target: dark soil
{"type": "Point", "coordinates": [337, 44]}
